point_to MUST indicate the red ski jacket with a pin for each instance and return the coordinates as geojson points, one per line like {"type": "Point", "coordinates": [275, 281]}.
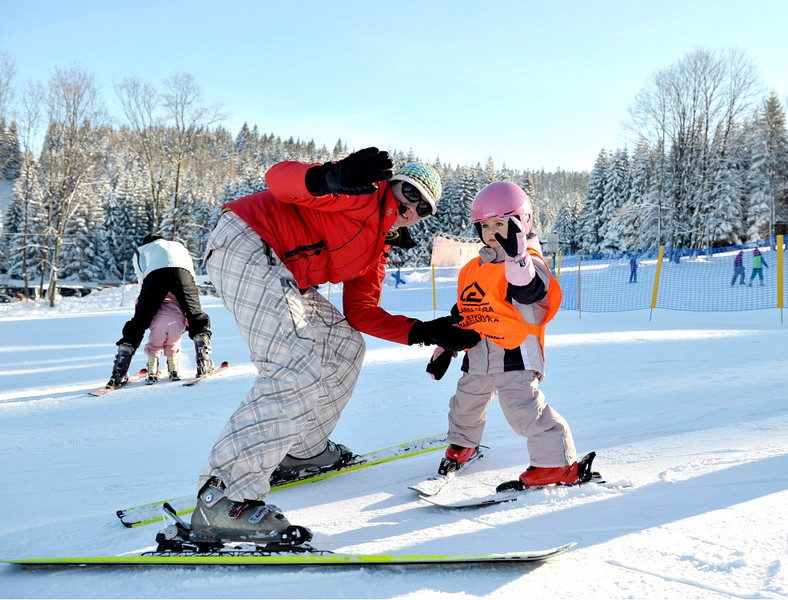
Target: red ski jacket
{"type": "Point", "coordinates": [333, 238]}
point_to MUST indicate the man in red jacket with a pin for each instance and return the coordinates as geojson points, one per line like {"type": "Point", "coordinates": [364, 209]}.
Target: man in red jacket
{"type": "Point", "coordinates": [316, 223]}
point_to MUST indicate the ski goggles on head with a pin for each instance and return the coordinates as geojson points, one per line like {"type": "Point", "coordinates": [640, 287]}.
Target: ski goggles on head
{"type": "Point", "coordinates": [412, 194]}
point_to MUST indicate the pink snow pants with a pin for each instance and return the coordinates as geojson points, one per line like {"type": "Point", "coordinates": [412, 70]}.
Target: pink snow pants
{"type": "Point", "coordinates": [550, 442]}
{"type": "Point", "coordinates": [308, 359]}
{"type": "Point", "coordinates": [166, 329]}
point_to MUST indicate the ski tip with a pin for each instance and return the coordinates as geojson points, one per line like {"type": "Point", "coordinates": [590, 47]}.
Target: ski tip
{"type": "Point", "coordinates": [121, 514]}
{"type": "Point", "coordinates": [225, 364]}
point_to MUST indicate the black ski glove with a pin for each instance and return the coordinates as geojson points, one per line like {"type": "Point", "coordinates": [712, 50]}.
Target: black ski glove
{"type": "Point", "coordinates": [353, 175]}
{"type": "Point", "coordinates": [439, 363]}
{"type": "Point", "coordinates": [442, 332]}
{"type": "Point", "coordinates": [514, 244]}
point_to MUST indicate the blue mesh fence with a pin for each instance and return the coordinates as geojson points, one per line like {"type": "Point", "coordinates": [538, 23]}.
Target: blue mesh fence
{"type": "Point", "coordinates": [689, 280]}
{"type": "Point", "coordinates": [692, 280]}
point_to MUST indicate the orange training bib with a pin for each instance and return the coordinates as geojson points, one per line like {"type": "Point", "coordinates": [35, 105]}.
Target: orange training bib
{"type": "Point", "coordinates": [482, 290]}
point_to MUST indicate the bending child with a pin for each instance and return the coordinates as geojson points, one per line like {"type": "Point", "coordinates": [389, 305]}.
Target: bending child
{"type": "Point", "coordinates": [166, 331]}
{"type": "Point", "coordinates": [507, 295]}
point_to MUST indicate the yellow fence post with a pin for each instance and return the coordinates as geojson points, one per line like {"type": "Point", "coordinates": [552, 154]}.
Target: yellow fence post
{"type": "Point", "coordinates": [434, 290]}
{"type": "Point", "coordinates": [780, 271]}
{"type": "Point", "coordinates": [558, 268]}
{"type": "Point", "coordinates": [656, 278]}
{"type": "Point", "coordinates": [578, 282]}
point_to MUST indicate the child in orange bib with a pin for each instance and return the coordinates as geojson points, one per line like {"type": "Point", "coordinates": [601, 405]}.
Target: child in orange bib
{"type": "Point", "coordinates": [507, 295]}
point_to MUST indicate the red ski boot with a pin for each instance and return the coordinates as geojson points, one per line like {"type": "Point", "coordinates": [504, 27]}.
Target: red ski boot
{"type": "Point", "coordinates": [534, 477]}
{"type": "Point", "coordinates": [456, 456]}
{"type": "Point", "coordinates": [541, 476]}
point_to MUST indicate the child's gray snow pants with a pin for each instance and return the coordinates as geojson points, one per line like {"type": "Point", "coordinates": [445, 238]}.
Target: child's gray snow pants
{"type": "Point", "coordinates": [550, 442]}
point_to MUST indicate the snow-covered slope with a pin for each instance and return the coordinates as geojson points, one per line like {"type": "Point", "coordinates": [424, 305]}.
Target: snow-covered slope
{"type": "Point", "coordinates": [687, 412]}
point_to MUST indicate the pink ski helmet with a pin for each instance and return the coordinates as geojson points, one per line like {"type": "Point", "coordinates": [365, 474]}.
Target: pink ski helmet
{"type": "Point", "coordinates": [500, 200]}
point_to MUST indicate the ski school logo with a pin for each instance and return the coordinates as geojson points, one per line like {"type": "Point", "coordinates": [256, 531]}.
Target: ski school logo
{"type": "Point", "coordinates": [473, 294]}
{"type": "Point", "coordinates": [475, 309]}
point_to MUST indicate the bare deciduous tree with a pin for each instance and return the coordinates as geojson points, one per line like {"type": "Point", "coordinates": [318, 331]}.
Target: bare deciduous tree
{"type": "Point", "coordinates": [7, 71]}
{"type": "Point", "coordinates": [190, 118]}
{"type": "Point", "coordinates": [166, 127]}
{"type": "Point", "coordinates": [141, 104]}
{"type": "Point", "coordinates": [70, 156]}
{"type": "Point", "coordinates": [27, 190]}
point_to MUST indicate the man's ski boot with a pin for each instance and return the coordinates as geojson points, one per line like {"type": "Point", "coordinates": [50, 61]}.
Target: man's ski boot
{"type": "Point", "coordinates": [120, 370]}
{"type": "Point", "coordinates": [534, 477]}
{"type": "Point", "coordinates": [172, 368]}
{"type": "Point", "coordinates": [153, 370]}
{"type": "Point", "coordinates": [202, 350]}
{"type": "Point", "coordinates": [455, 457]}
{"type": "Point", "coordinates": [218, 519]}
{"type": "Point", "coordinates": [335, 456]}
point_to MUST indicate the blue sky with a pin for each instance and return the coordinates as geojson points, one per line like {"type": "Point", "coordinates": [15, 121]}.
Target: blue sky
{"type": "Point", "coordinates": [532, 84]}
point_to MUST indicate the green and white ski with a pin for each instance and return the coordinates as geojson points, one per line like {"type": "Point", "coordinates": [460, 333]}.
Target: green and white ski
{"type": "Point", "coordinates": [144, 514]}
{"type": "Point", "coordinates": [314, 558]}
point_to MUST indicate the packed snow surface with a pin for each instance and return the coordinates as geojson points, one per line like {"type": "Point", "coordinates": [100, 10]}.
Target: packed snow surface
{"type": "Point", "coordinates": [687, 411]}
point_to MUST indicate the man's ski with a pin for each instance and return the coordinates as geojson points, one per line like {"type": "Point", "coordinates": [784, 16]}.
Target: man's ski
{"type": "Point", "coordinates": [307, 557]}
{"type": "Point", "coordinates": [433, 485]}
{"type": "Point", "coordinates": [194, 380]}
{"type": "Point", "coordinates": [151, 512]}
{"type": "Point", "coordinates": [513, 491]}
{"type": "Point", "coordinates": [105, 390]}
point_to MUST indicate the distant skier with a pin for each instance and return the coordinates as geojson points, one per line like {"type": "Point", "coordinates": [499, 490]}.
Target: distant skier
{"type": "Point", "coordinates": [758, 263]}
{"type": "Point", "coordinates": [166, 331]}
{"type": "Point", "coordinates": [398, 278]}
{"type": "Point", "coordinates": [163, 267]}
{"type": "Point", "coordinates": [633, 269]}
{"type": "Point", "coordinates": [507, 295]}
{"type": "Point", "coordinates": [738, 268]}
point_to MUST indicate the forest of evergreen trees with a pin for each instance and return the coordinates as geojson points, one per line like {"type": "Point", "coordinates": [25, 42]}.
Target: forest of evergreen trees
{"type": "Point", "coordinates": [710, 169]}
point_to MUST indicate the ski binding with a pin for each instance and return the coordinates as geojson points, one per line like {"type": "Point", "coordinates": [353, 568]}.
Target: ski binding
{"type": "Point", "coordinates": [447, 471]}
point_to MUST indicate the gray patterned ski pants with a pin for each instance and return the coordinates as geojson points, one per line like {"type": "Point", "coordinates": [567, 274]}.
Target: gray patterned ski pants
{"type": "Point", "coordinates": [307, 356]}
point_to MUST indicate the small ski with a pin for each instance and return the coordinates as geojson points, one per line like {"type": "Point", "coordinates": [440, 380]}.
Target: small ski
{"type": "Point", "coordinates": [491, 499]}
{"type": "Point", "coordinates": [512, 491]}
{"type": "Point", "coordinates": [305, 557]}
{"type": "Point", "coordinates": [433, 485]}
{"type": "Point", "coordinates": [105, 390]}
{"type": "Point", "coordinates": [194, 380]}
{"type": "Point", "coordinates": [144, 514]}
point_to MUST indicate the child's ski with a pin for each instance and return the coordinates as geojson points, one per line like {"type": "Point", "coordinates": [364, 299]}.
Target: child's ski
{"type": "Point", "coordinates": [105, 390]}
{"type": "Point", "coordinates": [433, 485]}
{"type": "Point", "coordinates": [512, 491]}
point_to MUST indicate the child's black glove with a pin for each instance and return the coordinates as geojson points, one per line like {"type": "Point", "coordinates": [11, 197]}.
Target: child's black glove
{"type": "Point", "coordinates": [439, 363]}
{"type": "Point", "coordinates": [514, 243]}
